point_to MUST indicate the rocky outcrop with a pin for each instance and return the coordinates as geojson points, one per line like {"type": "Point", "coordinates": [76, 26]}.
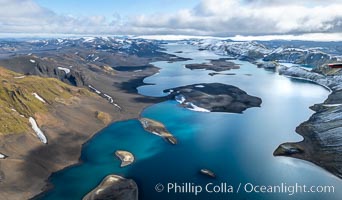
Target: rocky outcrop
{"type": "Point", "coordinates": [126, 157]}
{"type": "Point", "coordinates": [213, 97]}
{"type": "Point", "coordinates": [158, 128]}
{"type": "Point", "coordinates": [208, 173]}
{"type": "Point", "coordinates": [114, 187]}
{"type": "Point", "coordinates": [46, 69]}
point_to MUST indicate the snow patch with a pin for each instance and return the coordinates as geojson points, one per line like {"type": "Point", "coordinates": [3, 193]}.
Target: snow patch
{"type": "Point", "coordinates": [19, 77]}
{"type": "Point", "coordinates": [66, 70]}
{"type": "Point", "coordinates": [116, 105]}
{"type": "Point", "coordinates": [32, 61]}
{"type": "Point", "coordinates": [94, 89]}
{"type": "Point", "coordinates": [189, 105]}
{"type": "Point", "coordinates": [37, 130]}
{"type": "Point", "coordinates": [38, 97]}
{"type": "Point", "coordinates": [200, 86]}
{"type": "Point", "coordinates": [331, 105]}
{"type": "Point", "coordinates": [193, 107]}
{"type": "Point", "coordinates": [180, 98]}
{"type": "Point", "coordinates": [110, 99]}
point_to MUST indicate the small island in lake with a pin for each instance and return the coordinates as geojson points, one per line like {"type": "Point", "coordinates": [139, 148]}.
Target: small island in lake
{"type": "Point", "coordinates": [126, 157]}
{"type": "Point", "coordinates": [217, 73]}
{"type": "Point", "coordinates": [157, 128]}
{"type": "Point", "coordinates": [208, 173]}
{"type": "Point", "coordinates": [216, 65]}
{"type": "Point", "coordinates": [213, 97]}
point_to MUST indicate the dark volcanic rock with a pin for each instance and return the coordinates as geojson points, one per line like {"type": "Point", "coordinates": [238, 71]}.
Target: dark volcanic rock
{"type": "Point", "coordinates": [214, 97]}
{"type": "Point", "coordinates": [215, 65]}
{"type": "Point", "coordinates": [114, 187]}
{"type": "Point", "coordinates": [287, 149]}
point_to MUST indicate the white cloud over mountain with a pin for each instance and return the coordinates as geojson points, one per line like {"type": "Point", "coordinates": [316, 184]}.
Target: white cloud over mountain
{"type": "Point", "coordinates": [209, 17]}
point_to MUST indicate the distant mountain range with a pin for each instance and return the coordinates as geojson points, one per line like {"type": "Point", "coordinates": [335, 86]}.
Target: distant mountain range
{"type": "Point", "coordinates": [315, 54]}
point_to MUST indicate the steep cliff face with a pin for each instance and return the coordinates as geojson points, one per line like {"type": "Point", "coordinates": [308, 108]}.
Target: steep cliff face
{"type": "Point", "coordinates": [47, 67]}
{"type": "Point", "coordinates": [67, 75]}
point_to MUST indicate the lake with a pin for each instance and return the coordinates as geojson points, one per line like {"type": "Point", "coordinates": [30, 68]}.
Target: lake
{"type": "Point", "coordinates": [237, 147]}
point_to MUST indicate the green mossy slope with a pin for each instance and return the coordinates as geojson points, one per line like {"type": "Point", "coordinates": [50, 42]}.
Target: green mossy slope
{"type": "Point", "coordinates": [18, 102]}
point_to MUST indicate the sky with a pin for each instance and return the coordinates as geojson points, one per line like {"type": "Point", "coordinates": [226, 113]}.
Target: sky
{"type": "Point", "coordinates": [221, 18]}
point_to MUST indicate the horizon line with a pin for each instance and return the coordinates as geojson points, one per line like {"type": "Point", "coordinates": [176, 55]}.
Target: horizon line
{"type": "Point", "coordinates": [317, 37]}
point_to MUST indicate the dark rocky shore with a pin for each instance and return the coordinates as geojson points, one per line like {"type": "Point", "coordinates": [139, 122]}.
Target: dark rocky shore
{"type": "Point", "coordinates": [214, 97]}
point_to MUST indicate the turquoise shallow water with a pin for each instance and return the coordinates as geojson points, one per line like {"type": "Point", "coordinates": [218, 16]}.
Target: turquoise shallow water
{"type": "Point", "coordinates": [237, 147]}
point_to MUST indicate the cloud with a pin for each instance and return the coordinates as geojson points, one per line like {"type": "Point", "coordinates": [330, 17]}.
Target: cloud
{"type": "Point", "coordinates": [26, 16]}
{"type": "Point", "coordinates": [208, 17]}
{"type": "Point", "coordinates": [218, 17]}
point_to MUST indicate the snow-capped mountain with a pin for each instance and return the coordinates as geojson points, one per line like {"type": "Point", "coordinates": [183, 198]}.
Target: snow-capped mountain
{"type": "Point", "coordinates": [252, 51]}
{"type": "Point", "coordinates": [241, 50]}
{"type": "Point", "coordinates": [109, 44]}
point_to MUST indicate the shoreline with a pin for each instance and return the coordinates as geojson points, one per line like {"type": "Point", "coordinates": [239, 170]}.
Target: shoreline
{"type": "Point", "coordinates": [49, 186]}
{"type": "Point", "coordinates": [314, 147]}
{"type": "Point", "coordinates": [76, 127]}
{"type": "Point", "coordinates": [312, 130]}
{"type": "Point", "coordinates": [71, 125]}
{"type": "Point", "coordinates": [129, 113]}
{"type": "Point", "coordinates": [312, 81]}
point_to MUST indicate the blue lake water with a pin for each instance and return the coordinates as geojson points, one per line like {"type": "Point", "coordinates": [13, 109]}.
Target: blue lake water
{"type": "Point", "coordinates": [237, 147]}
